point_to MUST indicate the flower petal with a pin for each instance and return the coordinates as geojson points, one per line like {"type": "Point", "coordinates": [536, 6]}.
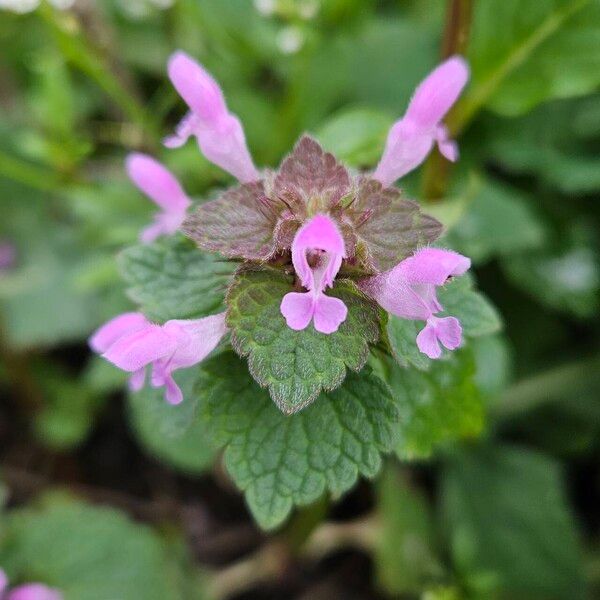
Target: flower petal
{"type": "Point", "coordinates": [196, 339]}
{"type": "Point", "coordinates": [329, 314]}
{"type": "Point", "coordinates": [322, 234]}
{"type": "Point", "coordinates": [173, 393]}
{"type": "Point", "coordinates": [427, 342]}
{"type": "Point", "coordinates": [196, 86]}
{"type": "Point", "coordinates": [449, 332]}
{"type": "Point", "coordinates": [298, 309]}
{"type": "Point", "coordinates": [220, 134]}
{"type": "Point", "coordinates": [137, 380]}
{"type": "Point", "coordinates": [433, 265]}
{"type": "Point", "coordinates": [157, 182]}
{"type": "Point", "coordinates": [135, 350]}
{"type": "Point", "coordinates": [110, 332]}
{"type": "Point", "coordinates": [436, 94]}
{"type": "Point", "coordinates": [411, 138]}
{"type": "Point", "coordinates": [34, 591]}
{"type": "Point", "coordinates": [3, 582]}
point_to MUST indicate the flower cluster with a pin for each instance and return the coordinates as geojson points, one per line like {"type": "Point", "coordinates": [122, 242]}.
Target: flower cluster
{"type": "Point", "coordinates": [28, 591]}
{"type": "Point", "coordinates": [312, 218]}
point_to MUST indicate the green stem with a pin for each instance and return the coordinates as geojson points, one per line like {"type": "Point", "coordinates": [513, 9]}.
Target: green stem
{"type": "Point", "coordinates": [456, 38]}
{"type": "Point", "coordinates": [537, 390]}
{"type": "Point", "coordinates": [482, 92]}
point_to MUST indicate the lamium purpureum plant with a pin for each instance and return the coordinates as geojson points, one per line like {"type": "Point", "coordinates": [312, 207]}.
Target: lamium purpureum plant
{"type": "Point", "coordinates": [316, 260]}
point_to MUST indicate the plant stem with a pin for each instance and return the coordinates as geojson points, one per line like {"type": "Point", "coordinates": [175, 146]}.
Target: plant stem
{"type": "Point", "coordinates": [459, 14]}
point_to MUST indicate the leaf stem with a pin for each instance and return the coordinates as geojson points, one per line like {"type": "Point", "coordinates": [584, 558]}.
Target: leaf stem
{"type": "Point", "coordinates": [455, 41]}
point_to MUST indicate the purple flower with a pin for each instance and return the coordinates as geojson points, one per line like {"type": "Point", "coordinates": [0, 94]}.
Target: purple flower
{"type": "Point", "coordinates": [8, 256]}
{"type": "Point", "coordinates": [411, 138]}
{"type": "Point", "coordinates": [317, 253]}
{"type": "Point", "coordinates": [161, 186]}
{"type": "Point", "coordinates": [219, 133]}
{"type": "Point", "coordinates": [29, 591]}
{"type": "Point", "coordinates": [131, 342]}
{"type": "Point", "coordinates": [409, 292]}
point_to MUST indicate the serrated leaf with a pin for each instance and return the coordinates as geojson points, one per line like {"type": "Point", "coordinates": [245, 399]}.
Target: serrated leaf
{"type": "Point", "coordinates": [390, 227]}
{"type": "Point", "coordinates": [310, 173]}
{"type": "Point", "coordinates": [296, 365]}
{"type": "Point", "coordinates": [284, 461]}
{"type": "Point", "coordinates": [174, 434]}
{"type": "Point", "coordinates": [241, 223]}
{"type": "Point", "coordinates": [88, 553]}
{"type": "Point", "coordinates": [504, 511]}
{"type": "Point", "coordinates": [436, 406]}
{"type": "Point", "coordinates": [172, 279]}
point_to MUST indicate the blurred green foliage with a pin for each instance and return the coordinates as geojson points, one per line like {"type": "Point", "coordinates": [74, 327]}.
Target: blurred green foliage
{"type": "Point", "coordinates": [83, 87]}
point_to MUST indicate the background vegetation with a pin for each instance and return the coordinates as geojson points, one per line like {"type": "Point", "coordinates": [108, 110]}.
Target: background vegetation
{"type": "Point", "coordinates": [495, 490]}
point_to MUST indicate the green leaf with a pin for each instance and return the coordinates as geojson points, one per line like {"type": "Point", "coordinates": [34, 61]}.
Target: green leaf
{"type": "Point", "coordinates": [296, 365]}
{"type": "Point", "coordinates": [545, 51]}
{"type": "Point", "coordinates": [69, 409]}
{"type": "Point", "coordinates": [564, 276]}
{"type": "Point", "coordinates": [88, 553]}
{"type": "Point", "coordinates": [563, 155]}
{"type": "Point", "coordinates": [404, 554]}
{"type": "Point", "coordinates": [436, 406]}
{"type": "Point", "coordinates": [402, 335]}
{"type": "Point", "coordinates": [505, 511]}
{"type": "Point", "coordinates": [474, 311]}
{"type": "Point", "coordinates": [173, 434]}
{"type": "Point", "coordinates": [172, 279]}
{"type": "Point", "coordinates": [499, 221]}
{"type": "Point", "coordinates": [284, 461]}
{"type": "Point", "coordinates": [356, 136]}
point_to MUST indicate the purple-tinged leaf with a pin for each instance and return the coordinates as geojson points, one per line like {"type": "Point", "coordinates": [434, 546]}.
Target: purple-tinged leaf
{"type": "Point", "coordinates": [310, 178]}
{"type": "Point", "coordinates": [240, 223]}
{"type": "Point", "coordinates": [389, 227]}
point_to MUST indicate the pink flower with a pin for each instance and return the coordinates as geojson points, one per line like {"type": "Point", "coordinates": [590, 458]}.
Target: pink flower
{"type": "Point", "coordinates": [219, 133]}
{"type": "Point", "coordinates": [29, 591]}
{"type": "Point", "coordinates": [317, 253]}
{"type": "Point", "coordinates": [131, 342]}
{"type": "Point", "coordinates": [411, 138]}
{"type": "Point", "coordinates": [161, 186]}
{"type": "Point", "coordinates": [8, 256]}
{"type": "Point", "coordinates": [409, 291]}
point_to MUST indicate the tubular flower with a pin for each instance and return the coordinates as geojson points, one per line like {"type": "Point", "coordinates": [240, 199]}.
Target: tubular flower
{"type": "Point", "coordinates": [317, 254]}
{"type": "Point", "coordinates": [409, 292]}
{"type": "Point", "coordinates": [219, 133]}
{"type": "Point", "coordinates": [161, 186]}
{"type": "Point", "coordinates": [312, 222]}
{"type": "Point", "coordinates": [29, 591]}
{"type": "Point", "coordinates": [131, 342]}
{"type": "Point", "coordinates": [411, 138]}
